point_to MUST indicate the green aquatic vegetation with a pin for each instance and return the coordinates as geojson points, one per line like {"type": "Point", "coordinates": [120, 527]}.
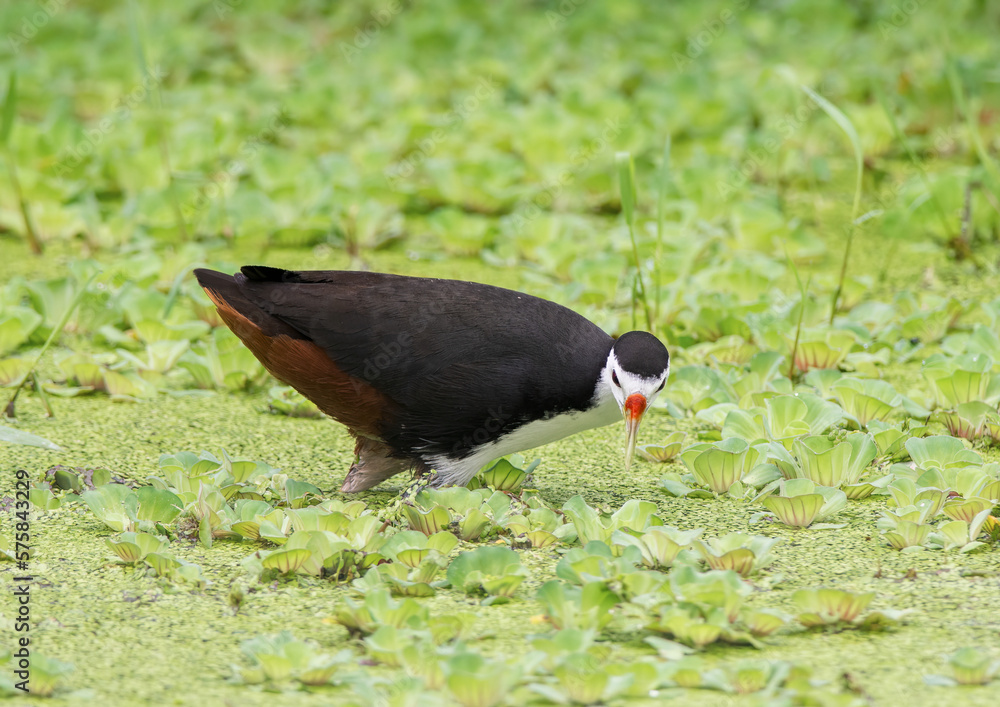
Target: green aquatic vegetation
{"type": "Point", "coordinates": [801, 502]}
{"type": "Point", "coordinates": [585, 608]}
{"type": "Point", "coordinates": [829, 462]}
{"type": "Point", "coordinates": [115, 505]}
{"type": "Point", "coordinates": [659, 544]}
{"type": "Point", "coordinates": [660, 453]}
{"type": "Point", "coordinates": [280, 658]}
{"type": "Point", "coordinates": [597, 562]}
{"type": "Point", "coordinates": [17, 324]}
{"type": "Point", "coordinates": [783, 419]}
{"type": "Point", "coordinates": [970, 421]}
{"type": "Point", "coordinates": [695, 388]}
{"type": "Point", "coordinates": [493, 571]}
{"type": "Point", "coordinates": [969, 666]}
{"type": "Point", "coordinates": [47, 675]}
{"type": "Point", "coordinates": [700, 608]}
{"type": "Point", "coordinates": [285, 400]}
{"type": "Point", "coordinates": [175, 570]}
{"type": "Point", "coordinates": [720, 465]}
{"type": "Point", "coordinates": [416, 561]}
{"type": "Point", "coordinates": [592, 524]}
{"type": "Point", "coordinates": [742, 553]}
{"type": "Point", "coordinates": [959, 534]}
{"type": "Point", "coordinates": [940, 452]}
{"type": "Point", "coordinates": [866, 400]}
{"type": "Point", "coordinates": [221, 361]}
{"type": "Point", "coordinates": [378, 609]}
{"type": "Point", "coordinates": [838, 608]}
{"type": "Point", "coordinates": [891, 439]}
{"type": "Point", "coordinates": [822, 349]}
{"type": "Point", "coordinates": [960, 379]}
{"type": "Point", "coordinates": [475, 681]}
{"type": "Point", "coordinates": [507, 475]}
{"type": "Point", "coordinates": [12, 435]}
{"type": "Point", "coordinates": [133, 547]}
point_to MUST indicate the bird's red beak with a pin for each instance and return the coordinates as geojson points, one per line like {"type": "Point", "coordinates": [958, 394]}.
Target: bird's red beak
{"type": "Point", "coordinates": [634, 408]}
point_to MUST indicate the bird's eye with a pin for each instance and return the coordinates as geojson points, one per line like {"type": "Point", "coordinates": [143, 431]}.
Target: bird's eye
{"type": "Point", "coordinates": [614, 378]}
{"type": "Point", "coordinates": [662, 383]}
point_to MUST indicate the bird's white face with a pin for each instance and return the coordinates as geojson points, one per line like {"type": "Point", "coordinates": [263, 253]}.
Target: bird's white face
{"type": "Point", "coordinates": [634, 394]}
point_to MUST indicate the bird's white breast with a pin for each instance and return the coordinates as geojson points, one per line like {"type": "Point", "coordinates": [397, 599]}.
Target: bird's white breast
{"type": "Point", "coordinates": [528, 436]}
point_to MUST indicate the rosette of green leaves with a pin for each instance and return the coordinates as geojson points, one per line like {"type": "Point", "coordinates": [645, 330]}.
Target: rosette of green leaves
{"type": "Point", "coordinates": [742, 553]}
{"type": "Point", "coordinates": [539, 525]}
{"type": "Point", "coordinates": [659, 544]}
{"type": "Point", "coordinates": [833, 463]}
{"type": "Point", "coordinates": [281, 657]}
{"type": "Point", "coordinates": [416, 561]}
{"type": "Point", "coordinates": [591, 524]}
{"type": "Point", "coordinates": [706, 607]}
{"type": "Point", "coordinates": [835, 607]}
{"type": "Point", "coordinates": [970, 421]}
{"type": "Point", "coordinates": [507, 475]}
{"type": "Point", "coordinates": [378, 608]}
{"type": "Point", "coordinates": [720, 465]}
{"type": "Point", "coordinates": [960, 379]}
{"type": "Point", "coordinates": [122, 509]}
{"type": "Point", "coordinates": [581, 608]}
{"type": "Point", "coordinates": [660, 453]}
{"type": "Point", "coordinates": [596, 562]}
{"type": "Point", "coordinates": [491, 570]}
{"type": "Point", "coordinates": [959, 534]}
{"type": "Point", "coordinates": [891, 439]}
{"type": "Point", "coordinates": [866, 400]}
{"type": "Point", "coordinates": [783, 419]}
{"type": "Point", "coordinates": [801, 502]}
{"type": "Point", "coordinates": [475, 681]}
{"type": "Point", "coordinates": [474, 512]}
{"type": "Point", "coordinates": [969, 666]}
{"type": "Point", "coordinates": [941, 452]}
{"type": "Point", "coordinates": [822, 348]}
{"type": "Point", "coordinates": [133, 547]}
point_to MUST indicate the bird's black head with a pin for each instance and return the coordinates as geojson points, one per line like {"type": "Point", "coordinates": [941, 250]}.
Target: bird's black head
{"type": "Point", "coordinates": [635, 373]}
{"type": "Point", "coordinates": [641, 354]}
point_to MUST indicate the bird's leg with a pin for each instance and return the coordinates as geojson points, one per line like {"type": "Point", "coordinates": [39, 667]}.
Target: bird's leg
{"type": "Point", "coordinates": [373, 463]}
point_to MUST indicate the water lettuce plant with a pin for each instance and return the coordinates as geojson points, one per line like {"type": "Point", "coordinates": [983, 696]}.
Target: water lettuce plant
{"type": "Point", "coordinates": [659, 545]}
{"type": "Point", "coordinates": [835, 607]}
{"type": "Point", "coordinates": [591, 524]}
{"type": "Point", "coordinates": [490, 570]}
{"type": "Point", "coordinates": [801, 502]}
{"type": "Point", "coordinates": [742, 553]}
{"type": "Point", "coordinates": [969, 666]}
{"type": "Point", "coordinates": [660, 453]}
{"type": "Point", "coordinates": [280, 658]}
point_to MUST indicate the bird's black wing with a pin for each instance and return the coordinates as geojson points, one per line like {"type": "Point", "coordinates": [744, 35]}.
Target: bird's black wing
{"type": "Point", "coordinates": [464, 362]}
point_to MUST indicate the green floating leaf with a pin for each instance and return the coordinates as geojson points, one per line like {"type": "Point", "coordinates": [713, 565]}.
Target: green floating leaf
{"type": "Point", "coordinates": [16, 436]}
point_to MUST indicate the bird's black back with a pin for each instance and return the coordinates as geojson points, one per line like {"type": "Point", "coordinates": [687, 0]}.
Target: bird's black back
{"type": "Point", "coordinates": [464, 362]}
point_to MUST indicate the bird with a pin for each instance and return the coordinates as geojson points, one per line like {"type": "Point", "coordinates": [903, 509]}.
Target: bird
{"type": "Point", "coordinates": [437, 375]}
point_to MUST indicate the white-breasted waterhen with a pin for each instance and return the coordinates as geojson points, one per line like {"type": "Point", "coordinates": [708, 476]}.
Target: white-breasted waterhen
{"type": "Point", "coordinates": [437, 374]}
